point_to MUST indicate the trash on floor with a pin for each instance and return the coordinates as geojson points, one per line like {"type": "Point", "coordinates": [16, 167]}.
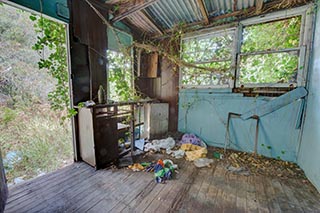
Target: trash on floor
{"type": "Point", "coordinates": [137, 167]}
{"type": "Point", "coordinates": [217, 155]}
{"type": "Point", "coordinates": [140, 143]}
{"type": "Point", "coordinates": [164, 170]}
{"type": "Point", "coordinates": [263, 165]}
{"type": "Point", "coordinates": [11, 158]}
{"type": "Point", "coordinates": [202, 162]}
{"type": "Point", "coordinates": [191, 138]}
{"type": "Point", "coordinates": [177, 153]}
{"type": "Point", "coordinates": [18, 180]}
{"type": "Point", "coordinates": [239, 170]}
{"type": "Point", "coordinates": [157, 145]}
{"type": "Point", "coordinates": [194, 152]}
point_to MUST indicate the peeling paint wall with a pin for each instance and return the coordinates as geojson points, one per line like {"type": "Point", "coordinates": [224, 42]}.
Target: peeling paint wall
{"type": "Point", "coordinates": [205, 113]}
{"type": "Point", "coordinates": [309, 155]}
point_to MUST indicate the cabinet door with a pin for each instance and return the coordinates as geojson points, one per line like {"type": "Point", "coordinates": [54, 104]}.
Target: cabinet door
{"type": "Point", "coordinates": [106, 141]}
{"type": "Point", "coordinates": [86, 138]}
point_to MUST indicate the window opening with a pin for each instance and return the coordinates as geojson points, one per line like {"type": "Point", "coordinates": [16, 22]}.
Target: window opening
{"type": "Point", "coordinates": [213, 51]}
{"type": "Point", "coordinates": [270, 53]}
{"type": "Point", "coordinates": [120, 76]}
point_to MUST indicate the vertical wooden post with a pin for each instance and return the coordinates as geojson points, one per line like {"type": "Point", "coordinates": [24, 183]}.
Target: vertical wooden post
{"type": "Point", "coordinates": [3, 186]}
{"type": "Point", "coordinates": [88, 46]}
{"type": "Point", "coordinates": [132, 129]}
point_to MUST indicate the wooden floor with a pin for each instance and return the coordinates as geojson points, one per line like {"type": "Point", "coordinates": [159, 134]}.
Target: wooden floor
{"type": "Point", "coordinates": [79, 188]}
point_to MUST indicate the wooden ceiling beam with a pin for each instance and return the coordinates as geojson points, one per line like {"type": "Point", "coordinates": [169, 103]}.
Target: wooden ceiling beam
{"type": "Point", "coordinates": [203, 12]}
{"type": "Point", "coordinates": [134, 9]}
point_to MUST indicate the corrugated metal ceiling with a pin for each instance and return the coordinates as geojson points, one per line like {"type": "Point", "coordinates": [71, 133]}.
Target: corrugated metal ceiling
{"type": "Point", "coordinates": [166, 14]}
{"type": "Point", "coordinates": [220, 7]}
{"type": "Point", "coordinates": [169, 13]}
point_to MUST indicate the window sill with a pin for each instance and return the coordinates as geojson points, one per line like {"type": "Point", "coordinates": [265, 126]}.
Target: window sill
{"type": "Point", "coordinates": [263, 91]}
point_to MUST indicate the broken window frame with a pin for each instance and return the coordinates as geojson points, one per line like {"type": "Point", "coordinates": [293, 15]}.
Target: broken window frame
{"type": "Point", "coordinates": [302, 49]}
{"type": "Point", "coordinates": [212, 33]}
{"type": "Point", "coordinates": [305, 43]}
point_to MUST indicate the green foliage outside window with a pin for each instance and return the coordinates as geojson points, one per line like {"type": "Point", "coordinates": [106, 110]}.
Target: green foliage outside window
{"type": "Point", "coordinates": [259, 64]}
{"type": "Point", "coordinates": [213, 51]}
{"type": "Point", "coordinates": [119, 77]}
{"type": "Point", "coordinates": [276, 35]}
{"type": "Point", "coordinates": [270, 68]}
{"type": "Point", "coordinates": [51, 44]}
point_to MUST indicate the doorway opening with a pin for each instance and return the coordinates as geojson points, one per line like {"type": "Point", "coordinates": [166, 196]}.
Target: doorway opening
{"type": "Point", "coordinates": [35, 132]}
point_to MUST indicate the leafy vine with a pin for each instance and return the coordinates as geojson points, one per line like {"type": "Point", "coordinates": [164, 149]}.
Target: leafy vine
{"type": "Point", "coordinates": [51, 45]}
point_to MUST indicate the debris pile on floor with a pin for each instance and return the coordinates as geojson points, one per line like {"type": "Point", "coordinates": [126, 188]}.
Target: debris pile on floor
{"type": "Point", "coordinates": [190, 146]}
{"type": "Point", "coordinates": [193, 149]}
{"type": "Point", "coordinates": [242, 162]}
{"type": "Point", "coordinates": [194, 152]}
{"type": "Point", "coordinates": [157, 145]}
{"type": "Point", "coordinates": [163, 169]}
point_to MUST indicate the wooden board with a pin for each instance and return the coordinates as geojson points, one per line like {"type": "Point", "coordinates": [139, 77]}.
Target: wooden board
{"type": "Point", "coordinates": [3, 186]}
{"type": "Point", "coordinates": [80, 188]}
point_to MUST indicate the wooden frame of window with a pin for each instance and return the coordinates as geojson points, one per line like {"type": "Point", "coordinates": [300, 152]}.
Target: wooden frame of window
{"type": "Point", "coordinates": [303, 50]}
{"type": "Point", "coordinates": [214, 32]}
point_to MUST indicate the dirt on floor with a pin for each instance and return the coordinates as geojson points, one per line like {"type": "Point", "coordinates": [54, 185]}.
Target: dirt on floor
{"type": "Point", "coordinates": [238, 162]}
{"type": "Point", "coordinates": [260, 165]}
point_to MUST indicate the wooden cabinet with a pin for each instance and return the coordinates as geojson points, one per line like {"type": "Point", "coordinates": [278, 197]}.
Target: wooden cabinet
{"type": "Point", "coordinates": [98, 137]}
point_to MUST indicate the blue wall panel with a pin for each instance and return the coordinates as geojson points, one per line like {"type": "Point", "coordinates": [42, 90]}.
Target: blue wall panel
{"type": "Point", "coordinates": [205, 113]}
{"type": "Point", "coordinates": [309, 156]}
{"type": "Point", "coordinates": [54, 8]}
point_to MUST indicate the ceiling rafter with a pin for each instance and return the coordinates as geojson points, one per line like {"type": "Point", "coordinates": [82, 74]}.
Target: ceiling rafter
{"type": "Point", "coordinates": [134, 9]}
{"type": "Point", "coordinates": [203, 11]}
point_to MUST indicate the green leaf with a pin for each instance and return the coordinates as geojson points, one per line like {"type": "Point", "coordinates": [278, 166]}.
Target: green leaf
{"type": "Point", "coordinates": [33, 17]}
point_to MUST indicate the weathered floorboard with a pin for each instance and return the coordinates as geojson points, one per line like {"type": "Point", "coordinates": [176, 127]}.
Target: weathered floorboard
{"type": "Point", "coordinates": [79, 188]}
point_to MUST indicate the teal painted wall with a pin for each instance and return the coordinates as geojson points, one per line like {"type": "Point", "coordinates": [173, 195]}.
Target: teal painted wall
{"type": "Point", "coordinates": [124, 38]}
{"type": "Point", "coordinates": [54, 8]}
{"type": "Point", "coordinates": [205, 113]}
{"type": "Point", "coordinates": [309, 155]}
